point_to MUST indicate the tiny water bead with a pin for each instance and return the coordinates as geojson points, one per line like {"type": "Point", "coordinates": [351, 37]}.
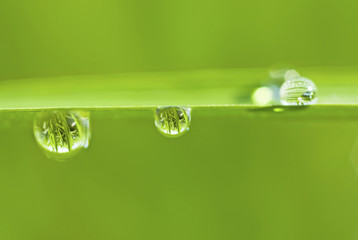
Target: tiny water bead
{"type": "Point", "coordinates": [172, 121]}
{"type": "Point", "coordinates": [298, 91]}
{"type": "Point", "coordinates": [62, 134]}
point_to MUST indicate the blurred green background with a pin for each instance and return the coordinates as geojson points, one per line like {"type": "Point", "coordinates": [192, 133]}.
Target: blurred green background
{"type": "Point", "coordinates": [239, 173]}
{"type": "Point", "coordinates": [69, 37]}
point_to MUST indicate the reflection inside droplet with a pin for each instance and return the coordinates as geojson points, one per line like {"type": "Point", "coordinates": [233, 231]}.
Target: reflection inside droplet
{"type": "Point", "coordinates": [298, 91]}
{"type": "Point", "coordinates": [172, 121]}
{"type": "Point", "coordinates": [62, 134]}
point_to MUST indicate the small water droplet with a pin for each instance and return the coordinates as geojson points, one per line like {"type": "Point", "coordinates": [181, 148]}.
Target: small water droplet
{"type": "Point", "coordinates": [62, 134]}
{"type": "Point", "coordinates": [298, 91]}
{"type": "Point", "coordinates": [172, 121]}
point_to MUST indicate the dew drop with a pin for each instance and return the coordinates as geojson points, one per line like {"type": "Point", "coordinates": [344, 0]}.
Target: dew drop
{"type": "Point", "coordinates": [172, 121]}
{"type": "Point", "coordinates": [62, 134]}
{"type": "Point", "coordinates": [298, 91]}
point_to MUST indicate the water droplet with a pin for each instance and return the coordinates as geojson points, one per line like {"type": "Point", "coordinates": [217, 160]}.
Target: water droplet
{"type": "Point", "coordinates": [62, 134]}
{"type": "Point", "coordinates": [172, 121]}
{"type": "Point", "coordinates": [298, 91]}
{"type": "Point", "coordinates": [269, 92]}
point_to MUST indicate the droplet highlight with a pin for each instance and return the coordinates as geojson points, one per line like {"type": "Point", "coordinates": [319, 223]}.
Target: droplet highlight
{"type": "Point", "coordinates": [62, 134]}
{"type": "Point", "coordinates": [265, 95]}
{"type": "Point", "coordinates": [172, 121]}
{"type": "Point", "coordinates": [298, 91]}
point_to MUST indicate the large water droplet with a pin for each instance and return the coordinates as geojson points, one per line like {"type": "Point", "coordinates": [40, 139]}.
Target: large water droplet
{"type": "Point", "coordinates": [298, 91]}
{"type": "Point", "coordinates": [62, 134]}
{"type": "Point", "coordinates": [172, 121]}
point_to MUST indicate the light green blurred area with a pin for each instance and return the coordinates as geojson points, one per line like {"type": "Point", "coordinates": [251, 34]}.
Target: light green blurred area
{"type": "Point", "coordinates": [69, 37]}
{"type": "Point", "coordinates": [214, 87]}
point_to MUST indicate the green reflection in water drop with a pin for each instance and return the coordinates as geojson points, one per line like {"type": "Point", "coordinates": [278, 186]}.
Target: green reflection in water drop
{"type": "Point", "coordinates": [172, 121]}
{"type": "Point", "coordinates": [62, 134]}
{"type": "Point", "coordinates": [298, 91]}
